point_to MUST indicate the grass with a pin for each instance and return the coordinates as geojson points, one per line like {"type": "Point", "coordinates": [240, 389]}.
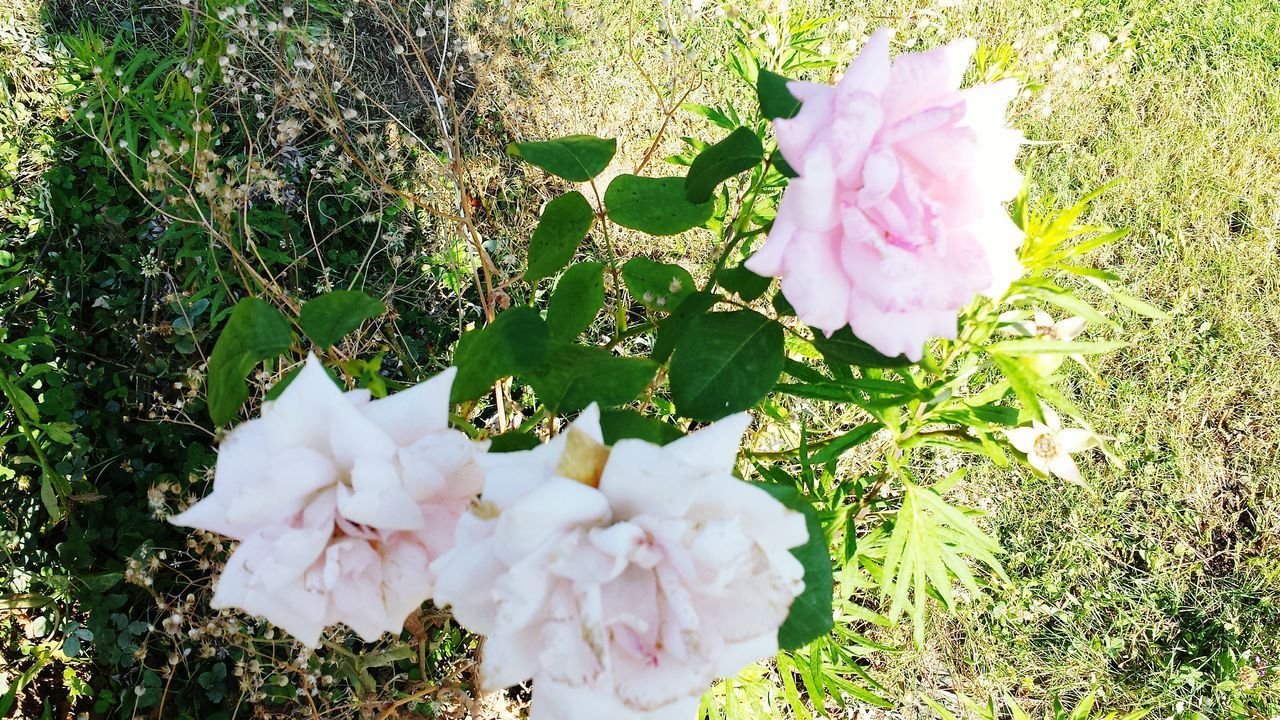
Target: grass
{"type": "Point", "coordinates": [1161, 587]}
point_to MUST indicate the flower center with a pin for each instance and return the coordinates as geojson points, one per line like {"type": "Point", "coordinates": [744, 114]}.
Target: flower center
{"type": "Point", "coordinates": [1046, 446]}
{"type": "Point", "coordinates": [583, 458]}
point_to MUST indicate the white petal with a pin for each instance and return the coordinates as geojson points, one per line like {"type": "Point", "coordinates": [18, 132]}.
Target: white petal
{"type": "Point", "coordinates": [510, 658]}
{"type": "Point", "coordinates": [737, 655]}
{"type": "Point", "coordinates": [294, 475]}
{"type": "Point", "coordinates": [1074, 440]}
{"type": "Point", "coordinates": [553, 508]}
{"type": "Point", "coordinates": [1064, 467]}
{"type": "Point", "coordinates": [643, 478]}
{"type": "Point", "coordinates": [519, 595]}
{"type": "Point", "coordinates": [352, 435]}
{"type": "Point", "coordinates": [303, 412]}
{"type": "Point", "coordinates": [714, 448]}
{"type": "Point", "coordinates": [1023, 438]}
{"type": "Point", "coordinates": [376, 497]}
{"type": "Point", "coordinates": [1070, 328]}
{"type": "Point", "coordinates": [407, 416]}
{"type": "Point", "coordinates": [465, 577]}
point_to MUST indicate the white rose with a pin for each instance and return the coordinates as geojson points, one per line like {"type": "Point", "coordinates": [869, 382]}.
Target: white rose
{"type": "Point", "coordinates": [340, 503]}
{"type": "Point", "coordinates": [623, 580]}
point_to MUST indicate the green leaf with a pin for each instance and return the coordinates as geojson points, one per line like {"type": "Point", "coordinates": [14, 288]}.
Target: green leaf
{"type": "Point", "coordinates": [842, 443]}
{"type": "Point", "coordinates": [577, 376]}
{"type": "Point", "coordinates": [626, 423]}
{"type": "Point", "coordinates": [329, 318]}
{"type": "Point", "coordinates": [1047, 346]}
{"type": "Point", "coordinates": [656, 206]}
{"type": "Point", "coordinates": [576, 158]}
{"type": "Point", "coordinates": [738, 152]}
{"type": "Point", "coordinates": [564, 223]}
{"type": "Point", "coordinates": [811, 615]}
{"type": "Point", "coordinates": [672, 327]}
{"type": "Point", "coordinates": [746, 284]}
{"type": "Point", "coordinates": [776, 101]}
{"type": "Point", "coordinates": [927, 547]}
{"type": "Point", "coordinates": [657, 286]}
{"type": "Point", "coordinates": [256, 331]}
{"type": "Point", "coordinates": [513, 441]}
{"type": "Point", "coordinates": [1067, 301]}
{"type": "Point", "coordinates": [844, 348]}
{"type": "Point", "coordinates": [49, 497]}
{"type": "Point", "coordinates": [1139, 306]}
{"type": "Point", "coordinates": [516, 342]}
{"type": "Point", "coordinates": [576, 301]}
{"type": "Point", "coordinates": [724, 363]}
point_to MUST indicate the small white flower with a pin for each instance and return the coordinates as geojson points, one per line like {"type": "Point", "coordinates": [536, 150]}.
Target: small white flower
{"type": "Point", "coordinates": [1049, 446]}
{"type": "Point", "coordinates": [1042, 325]}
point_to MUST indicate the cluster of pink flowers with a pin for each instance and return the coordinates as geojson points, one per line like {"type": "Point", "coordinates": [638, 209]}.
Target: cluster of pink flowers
{"type": "Point", "coordinates": [622, 579]}
{"type": "Point", "coordinates": [895, 221]}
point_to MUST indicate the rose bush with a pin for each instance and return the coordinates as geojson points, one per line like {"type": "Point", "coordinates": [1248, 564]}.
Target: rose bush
{"type": "Point", "coordinates": [621, 563]}
{"type": "Point", "coordinates": [340, 503]}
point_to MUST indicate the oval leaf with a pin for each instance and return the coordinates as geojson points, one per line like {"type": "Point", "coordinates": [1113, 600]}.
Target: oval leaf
{"type": "Point", "coordinates": [776, 101]}
{"type": "Point", "coordinates": [811, 614]}
{"type": "Point", "coordinates": [738, 152]}
{"type": "Point", "coordinates": [577, 376]}
{"type": "Point", "coordinates": [577, 158]}
{"type": "Point", "coordinates": [724, 363]}
{"type": "Point", "coordinates": [622, 423]}
{"type": "Point", "coordinates": [577, 299]}
{"type": "Point", "coordinates": [564, 223]}
{"type": "Point", "coordinates": [657, 286]}
{"type": "Point", "coordinates": [656, 206]}
{"type": "Point", "coordinates": [515, 342]}
{"type": "Point", "coordinates": [329, 318]}
{"type": "Point", "coordinates": [256, 331]}
{"type": "Point", "coordinates": [845, 348]}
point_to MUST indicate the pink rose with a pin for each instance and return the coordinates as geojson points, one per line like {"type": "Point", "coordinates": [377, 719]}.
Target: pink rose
{"type": "Point", "coordinates": [623, 580]}
{"type": "Point", "coordinates": [895, 221]}
{"type": "Point", "coordinates": [340, 504]}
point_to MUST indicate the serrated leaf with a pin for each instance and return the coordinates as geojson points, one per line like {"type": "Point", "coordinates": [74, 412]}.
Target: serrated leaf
{"type": "Point", "coordinates": [513, 441]}
{"type": "Point", "coordinates": [656, 206]}
{"type": "Point", "coordinates": [742, 282]}
{"type": "Point", "coordinates": [255, 332]}
{"type": "Point", "coordinates": [577, 376]}
{"type": "Point", "coordinates": [576, 301]}
{"type": "Point", "coordinates": [617, 424]}
{"type": "Point", "coordinates": [329, 318]}
{"type": "Point", "coordinates": [776, 101]}
{"type": "Point", "coordinates": [516, 342]}
{"type": "Point", "coordinates": [563, 225]}
{"type": "Point", "coordinates": [738, 152]}
{"type": "Point", "coordinates": [724, 363]}
{"type": "Point", "coordinates": [657, 285]}
{"type": "Point", "coordinates": [811, 613]}
{"type": "Point", "coordinates": [576, 158]}
{"type": "Point", "coordinates": [49, 497]}
{"type": "Point", "coordinates": [845, 348]}
{"type": "Point", "coordinates": [672, 327]}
